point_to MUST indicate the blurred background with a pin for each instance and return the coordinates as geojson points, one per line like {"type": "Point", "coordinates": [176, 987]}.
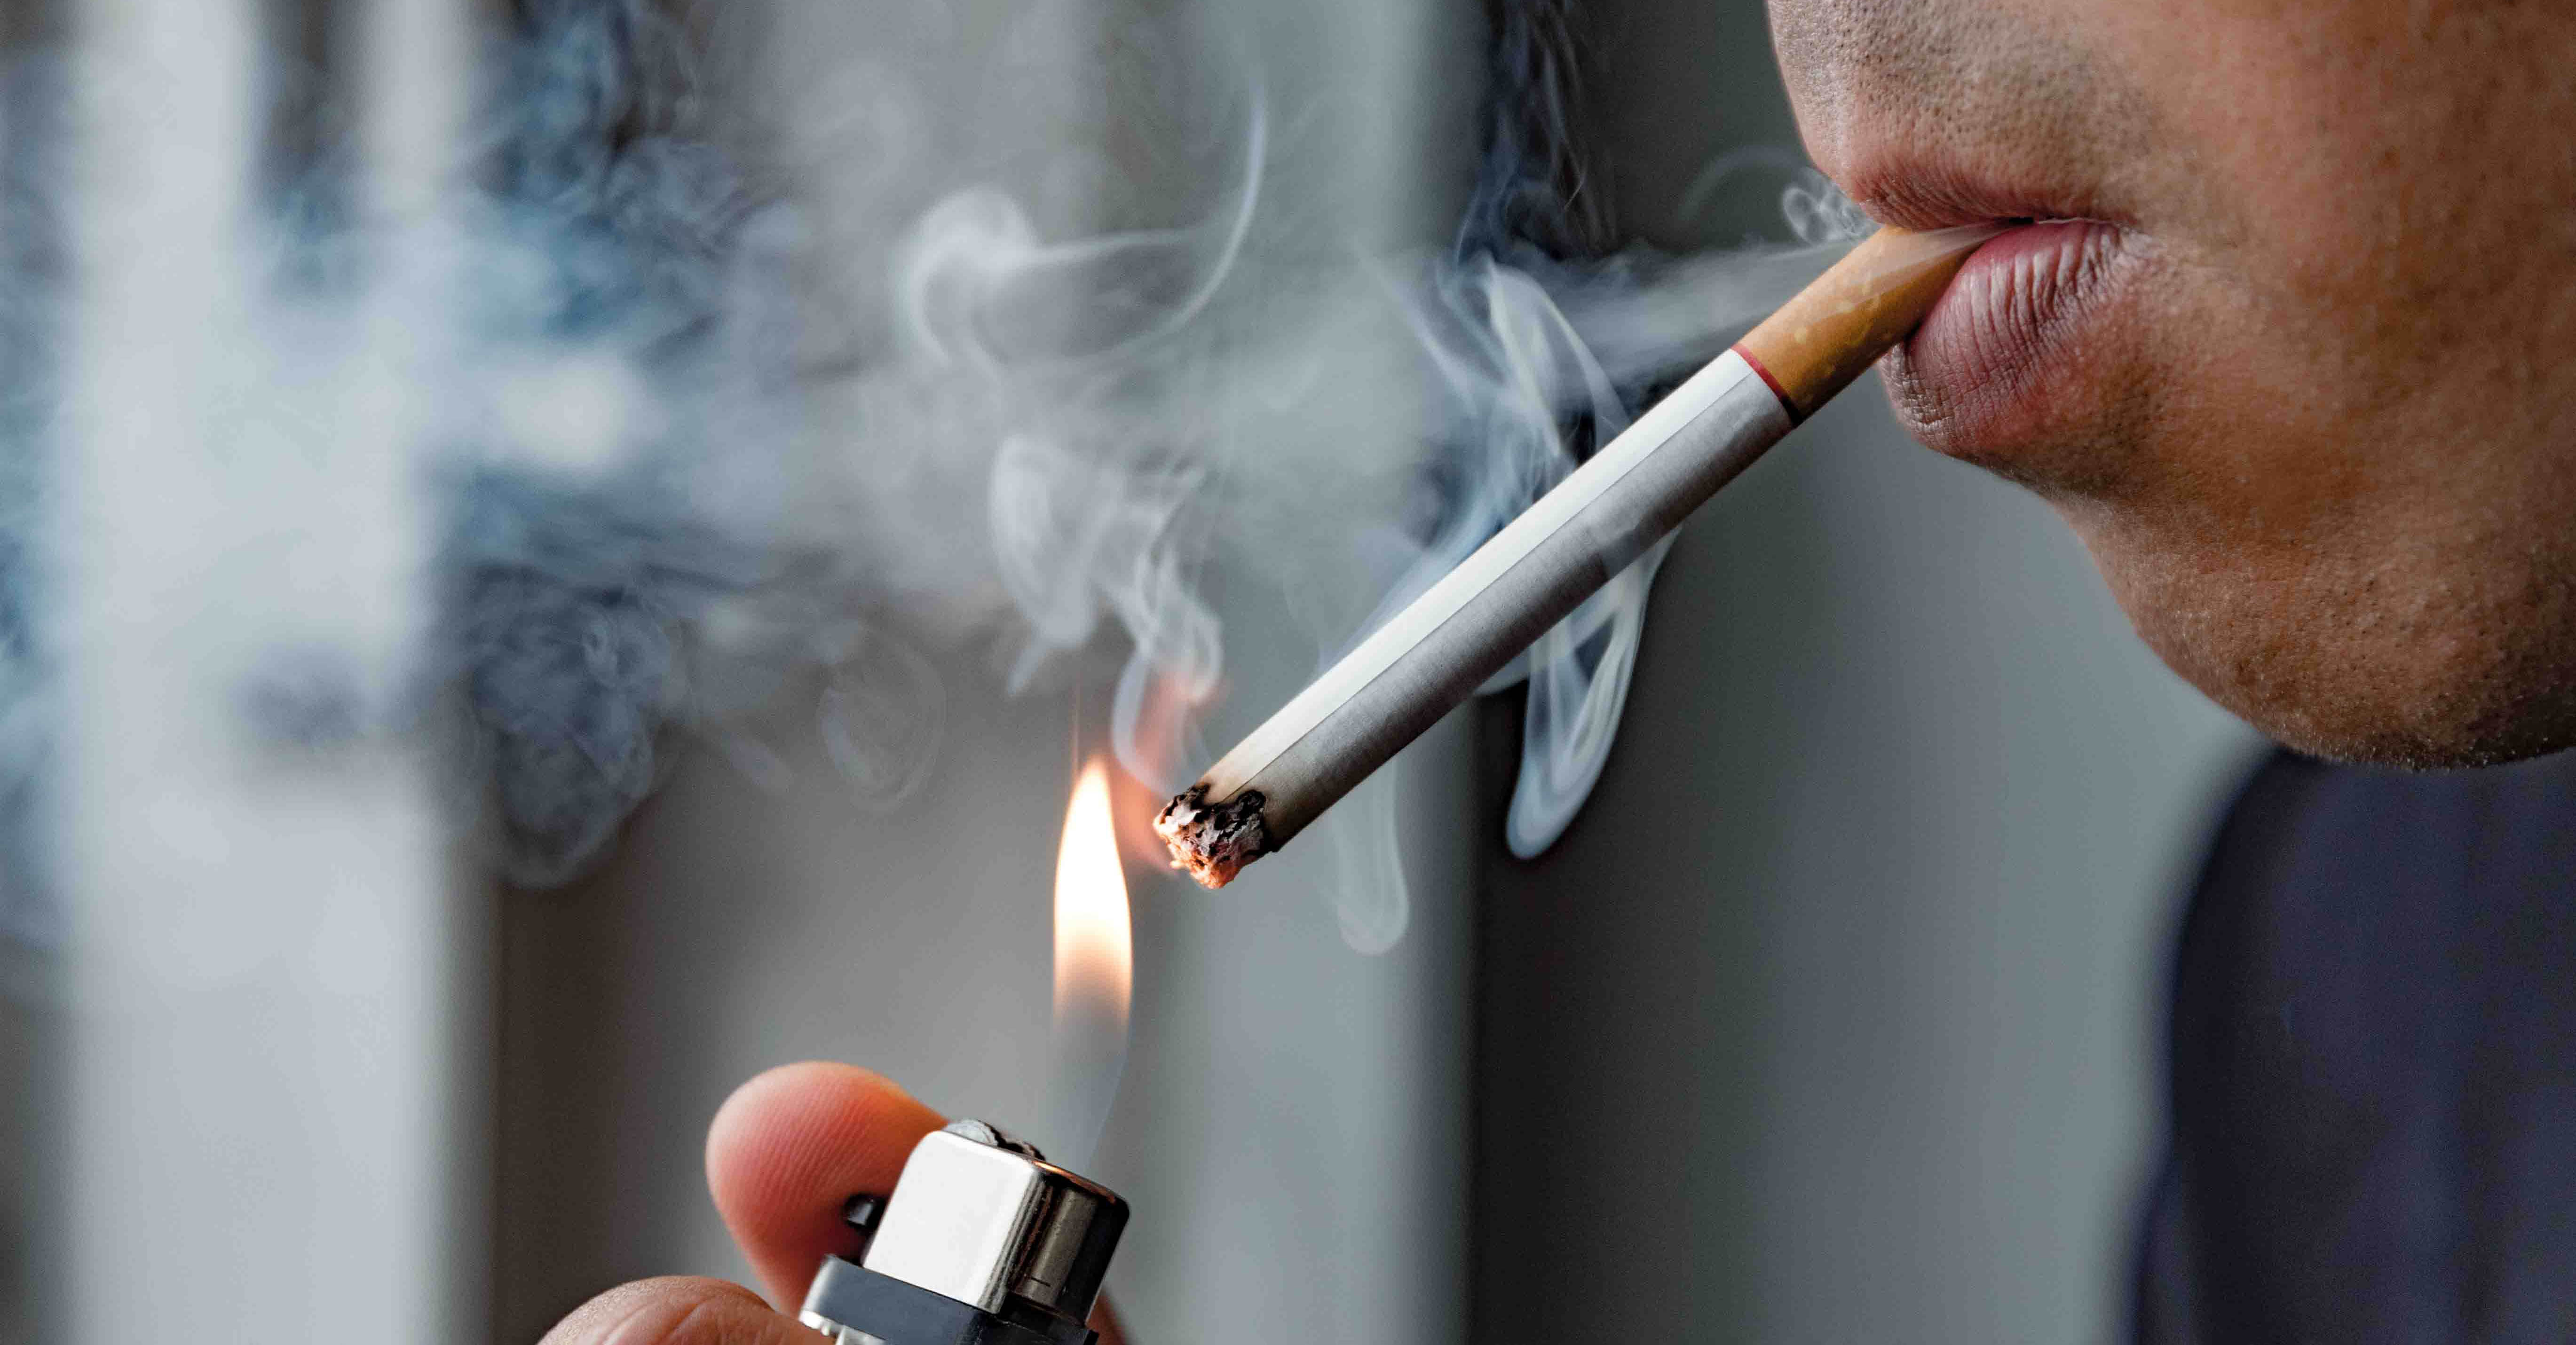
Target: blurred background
{"type": "Point", "coordinates": [1831, 1015]}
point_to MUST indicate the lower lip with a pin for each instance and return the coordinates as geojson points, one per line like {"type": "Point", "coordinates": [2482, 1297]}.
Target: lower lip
{"type": "Point", "coordinates": [2016, 308]}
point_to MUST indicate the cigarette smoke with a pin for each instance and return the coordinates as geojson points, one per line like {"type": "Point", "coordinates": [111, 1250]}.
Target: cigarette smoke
{"type": "Point", "coordinates": [1545, 345]}
{"type": "Point", "coordinates": [786, 385]}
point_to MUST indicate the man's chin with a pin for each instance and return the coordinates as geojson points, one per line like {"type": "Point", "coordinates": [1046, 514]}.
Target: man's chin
{"type": "Point", "coordinates": [2353, 672]}
{"type": "Point", "coordinates": [2343, 705]}
{"type": "Point", "coordinates": [2459, 747]}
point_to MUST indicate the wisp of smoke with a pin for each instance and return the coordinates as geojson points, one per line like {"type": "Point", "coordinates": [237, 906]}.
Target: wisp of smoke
{"type": "Point", "coordinates": [1544, 344]}
{"type": "Point", "coordinates": [694, 440]}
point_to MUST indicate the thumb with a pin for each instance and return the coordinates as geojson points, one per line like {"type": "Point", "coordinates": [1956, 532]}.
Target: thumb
{"type": "Point", "coordinates": [678, 1311]}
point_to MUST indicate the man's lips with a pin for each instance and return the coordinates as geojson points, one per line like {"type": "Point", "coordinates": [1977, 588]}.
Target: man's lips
{"type": "Point", "coordinates": [1977, 378]}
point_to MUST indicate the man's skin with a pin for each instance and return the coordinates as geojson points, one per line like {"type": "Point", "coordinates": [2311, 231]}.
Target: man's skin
{"type": "Point", "coordinates": [2311, 402]}
{"type": "Point", "coordinates": [2312, 409]}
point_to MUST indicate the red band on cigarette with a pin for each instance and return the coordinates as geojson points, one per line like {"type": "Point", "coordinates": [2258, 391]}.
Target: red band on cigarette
{"type": "Point", "coordinates": [1790, 407]}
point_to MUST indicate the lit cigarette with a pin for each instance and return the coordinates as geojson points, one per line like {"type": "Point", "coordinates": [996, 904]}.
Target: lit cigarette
{"type": "Point", "coordinates": [1435, 653]}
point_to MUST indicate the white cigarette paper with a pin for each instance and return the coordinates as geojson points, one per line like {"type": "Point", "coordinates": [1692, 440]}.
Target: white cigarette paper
{"type": "Point", "coordinates": [1434, 653]}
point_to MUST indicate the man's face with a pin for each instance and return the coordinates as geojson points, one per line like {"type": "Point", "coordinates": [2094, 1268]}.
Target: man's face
{"type": "Point", "coordinates": [2308, 391]}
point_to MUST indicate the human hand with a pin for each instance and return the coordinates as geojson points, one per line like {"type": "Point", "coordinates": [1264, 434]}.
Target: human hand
{"type": "Point", "coordinates": [783, 1154]}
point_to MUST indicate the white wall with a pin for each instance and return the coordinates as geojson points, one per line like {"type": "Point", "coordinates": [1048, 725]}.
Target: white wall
{"type": "Point", "coordinates": [268, 1031]}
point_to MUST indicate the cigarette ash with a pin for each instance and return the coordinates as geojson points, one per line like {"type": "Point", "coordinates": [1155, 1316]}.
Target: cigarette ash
{"type": "Point", "coordinates": [1212, 842]}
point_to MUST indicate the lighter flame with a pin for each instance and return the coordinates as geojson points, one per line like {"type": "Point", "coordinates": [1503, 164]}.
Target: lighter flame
{"type": "Point", "coordinates": [1095, 955]}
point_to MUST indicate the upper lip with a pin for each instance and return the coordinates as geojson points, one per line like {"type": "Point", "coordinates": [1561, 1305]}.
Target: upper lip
{"type": "Point", "coordinates": [1917, 190]}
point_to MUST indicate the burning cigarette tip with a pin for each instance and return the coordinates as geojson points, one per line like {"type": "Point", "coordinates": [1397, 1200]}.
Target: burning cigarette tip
{"type": "Point", "coordinates": [1212, 842]}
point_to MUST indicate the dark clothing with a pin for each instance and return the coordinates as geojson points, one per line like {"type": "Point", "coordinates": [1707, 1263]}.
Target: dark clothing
{"type": "Point", "coordinates": [2372, 1066]}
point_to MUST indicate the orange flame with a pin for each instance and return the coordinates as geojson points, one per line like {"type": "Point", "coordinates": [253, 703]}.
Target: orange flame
{"type": "Point", "coordinates": [1095, 953]}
